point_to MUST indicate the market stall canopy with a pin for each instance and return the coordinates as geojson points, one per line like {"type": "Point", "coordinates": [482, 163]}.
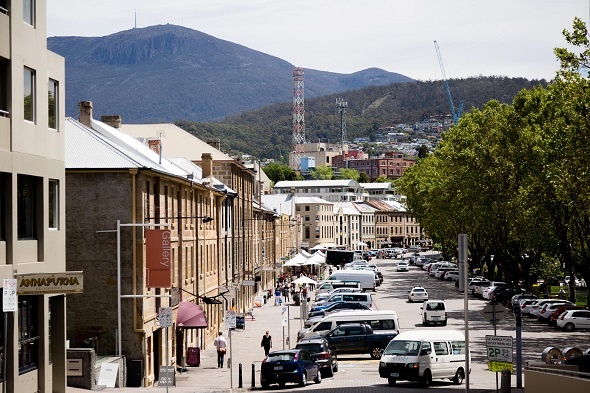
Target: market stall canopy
{"type": "Point", "coordinates": [318, 247]}
{"type": "Point", "coordinates": [305, 253]}
{"type": "Point", "coordinates": [190, 316]}
{"type": "Point", "coordinates": [304, 280]}
{"type": "Point", "coordinates": [316, 259]}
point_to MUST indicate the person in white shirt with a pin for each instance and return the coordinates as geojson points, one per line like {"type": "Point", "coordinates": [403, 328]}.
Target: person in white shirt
{"type": "Point", "coordinates": [221, 346]}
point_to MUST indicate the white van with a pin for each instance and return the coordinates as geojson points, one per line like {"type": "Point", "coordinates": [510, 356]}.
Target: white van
{"type": "Point", "coordinates": [424, 355]}
{"type": "Point", "coordinates": [382, 321]}
{"type": "Point", "coordinates": [356, 297]}
{"type": "Point", "coordinates": [329, 285]}
{"type": "Point", "coordinates": [365, 277]}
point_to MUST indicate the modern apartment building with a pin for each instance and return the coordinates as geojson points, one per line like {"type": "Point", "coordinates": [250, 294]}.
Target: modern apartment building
{"type": "Point", "coordinates": [330, 190]}
{"type": "Point", "coordinates": [32, 204]}
{"type": "Point", "coordinates": [392, 165]}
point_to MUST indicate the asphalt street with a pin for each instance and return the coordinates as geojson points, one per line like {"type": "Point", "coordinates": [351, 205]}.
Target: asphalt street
{"type": "Point", "coordinates": [359, 373]}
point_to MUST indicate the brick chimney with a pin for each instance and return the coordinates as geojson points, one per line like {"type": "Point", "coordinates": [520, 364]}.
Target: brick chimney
{"type": "Point", "coordinates": [154, 144]}
{"type": "Point", "coordinates": [112, 120]}
{"type": "Point", "coordinates": [216, 143]}
{"type": "Point", "coordinates": [85, 113]}
{"type": "Point", "coordinates": [207, 165]}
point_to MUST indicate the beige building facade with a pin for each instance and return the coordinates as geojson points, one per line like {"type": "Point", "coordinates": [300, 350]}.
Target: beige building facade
{"type": "Point", "coordinates": [32, 201]}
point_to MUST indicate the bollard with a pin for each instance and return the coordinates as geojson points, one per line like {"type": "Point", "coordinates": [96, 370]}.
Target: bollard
{"type": "Point", "coordinates": [505, 381]}
{"type": "Point", "coordinates": [253, 375]}
{"type": "Point", "coordinates": [240, 376]}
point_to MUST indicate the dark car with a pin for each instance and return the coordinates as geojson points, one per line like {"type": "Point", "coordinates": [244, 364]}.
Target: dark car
{"type": "Point", "coordinates": [504, 295]}
{"type": "Point", "coordinates": [295, 366]}
{"type": "Point", "coordinates": [338, 306]}
{"type": "Point", "coordinates": [321, 353]}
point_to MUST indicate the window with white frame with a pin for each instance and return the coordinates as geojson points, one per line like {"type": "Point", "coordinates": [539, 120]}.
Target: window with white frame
{"type": "Point", "coordinates": [52, 104]}
{"type": "Point", "coordinates": [29, 94]}
{"type": "Point", "coordinates": [53, 204]}
{"type": "Point", "coordinates": [29, 12]}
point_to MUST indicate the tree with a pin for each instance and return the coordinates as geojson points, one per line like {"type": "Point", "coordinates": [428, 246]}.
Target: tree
{"type": "Point", "coordinates": [348, 173]}
{"type": "Point", "coordinates": [322, 172]}
{"type": "Point", "coordinates": [279, 172]}
{"type": "Point", "coordinates": [363, 178]}
{"type": "Point", "coordinates": [422, 151]}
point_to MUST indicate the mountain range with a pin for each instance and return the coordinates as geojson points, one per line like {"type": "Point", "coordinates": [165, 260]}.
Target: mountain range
{"type": "Point", "coordinates": [167, 73]}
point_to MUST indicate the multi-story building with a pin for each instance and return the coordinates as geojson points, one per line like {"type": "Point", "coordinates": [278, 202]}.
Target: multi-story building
{"type": "Point", "coordinates": [381, 192]}
{"type": "Point", "coordinates": [120, 195]}
{"type": "Point", "coordinates": [367, 224]}
{"type": "Point", "coordinates": [317, 220]}
{"type": "Point", "coordinates": [32, 204]}
{"type": "Point", "coordinates": [345, 190]}
{"type": "Point", "coordinates": [347, 222]}
{"type": "Point", "coordinates": [322, 153]}
{"type": "Point", "coordinates": [392, 165]}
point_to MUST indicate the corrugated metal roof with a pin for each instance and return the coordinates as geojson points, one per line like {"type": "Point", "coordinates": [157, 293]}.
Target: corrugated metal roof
{"type": "Point", "coordinates": [348, 208]}
{"type": "Point", "coordinates": [308, 200]}
{"type": "Point", "coordinates": [316, 183]}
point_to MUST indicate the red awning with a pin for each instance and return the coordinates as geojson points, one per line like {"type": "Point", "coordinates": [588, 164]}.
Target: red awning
{"type": "Point", "coordinates": [190, 316]}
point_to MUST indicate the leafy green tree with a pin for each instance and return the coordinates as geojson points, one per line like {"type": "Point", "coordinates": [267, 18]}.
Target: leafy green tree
{"type": "Point", "coordinates": [279, 172]}
{"type": "Point", "coordinates": [422, 151]}
{"type": "Point", "coordinates": [323, 172]}
{"type": "Point", "coordinates": [363, 178]}
{"type": "Point", "coordinates": [349, 173]}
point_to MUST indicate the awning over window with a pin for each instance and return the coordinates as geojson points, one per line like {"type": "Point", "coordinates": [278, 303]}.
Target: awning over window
{"type": "Point", "coordinates": [190, 316]}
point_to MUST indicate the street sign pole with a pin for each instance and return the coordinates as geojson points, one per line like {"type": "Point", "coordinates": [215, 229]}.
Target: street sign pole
{"type": "Point", "coordinates": [463, 242]}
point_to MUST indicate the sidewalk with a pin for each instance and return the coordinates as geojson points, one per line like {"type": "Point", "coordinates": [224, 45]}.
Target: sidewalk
{"type": "Point", "coordinates": [244, 348]}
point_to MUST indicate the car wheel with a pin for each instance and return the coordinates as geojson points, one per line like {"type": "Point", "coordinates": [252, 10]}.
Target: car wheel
{"type": "Point", "coordinates": [376, 352]}
{"type": "Point", "coordinates": [427, 379]}
{"type": "Point", "coordinates": [459, 377]}
{"type": "Point", "coordinates": [327, 373]}
{"type": "Point", "coordinates": [335, 368]}
{"type": "Point", "coordinates": [318, 377]}
{"type": "Point", "coordinates": [569, 327]}
{"type": "Point", "coordinates": [391, 381]}
{"type": "Point", "coordinates": [425, 323]}
{"type": "Point", "coordinates": [264, 385]}
{"type": "Point", "coordinates": [303, 381]}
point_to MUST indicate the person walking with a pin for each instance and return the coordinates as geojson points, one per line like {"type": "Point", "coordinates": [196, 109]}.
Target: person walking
{"type": "Point", "coordinates": [277, 296]}
{"type": "Point", "coordinates": [266, 343]}
{"type": "Point", "coordinates": [221, 346]}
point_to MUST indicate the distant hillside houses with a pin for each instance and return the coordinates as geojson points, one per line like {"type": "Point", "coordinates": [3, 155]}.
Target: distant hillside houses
{"type": "Point", "coordinates": [348, 214]}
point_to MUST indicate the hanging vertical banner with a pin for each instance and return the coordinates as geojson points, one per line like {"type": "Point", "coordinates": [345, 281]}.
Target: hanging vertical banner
{"type": "Point", "coordinates": [158, 258]}
{"type": "Point", "coordinates": [9, 296]}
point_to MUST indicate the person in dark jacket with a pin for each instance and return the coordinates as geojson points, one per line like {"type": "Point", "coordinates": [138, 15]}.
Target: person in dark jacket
{"type": "Point", "coordinates": [266, 343]}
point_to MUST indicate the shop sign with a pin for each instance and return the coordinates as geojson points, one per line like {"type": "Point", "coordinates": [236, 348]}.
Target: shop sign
{"type": "Point", "coordinates": [37, 284]}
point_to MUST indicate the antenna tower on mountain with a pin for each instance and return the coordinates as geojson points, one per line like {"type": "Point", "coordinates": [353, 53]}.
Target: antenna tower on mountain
{"type": "Point", "coordinates": [343, 137]}
{"type": "Point", "coordinates": [298, 117]}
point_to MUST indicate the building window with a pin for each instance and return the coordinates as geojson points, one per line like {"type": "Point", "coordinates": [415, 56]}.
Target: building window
{"type": "Point", "coordinates": [4, 87]}
{"type": "Point", "coordinates": [29, 12]}
{"type": "Point", "coordinates": [28, 336]}
{"type": "Point", "coordinates": [53, 204]}
{"type": "Point", "coordinates": [29, 94]}
{"type": "Point", "coordinates": [27, 207]}
{"type": "Point", "coordinates": [52, 104]}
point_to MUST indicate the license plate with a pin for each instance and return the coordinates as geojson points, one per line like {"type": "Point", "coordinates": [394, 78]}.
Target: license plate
{"type": "Point", "coordinates": [394, 375]}
{"type": "Point", "coordinates": [278, 367]}
{"type": "Point", "coordinates": [435, 317]}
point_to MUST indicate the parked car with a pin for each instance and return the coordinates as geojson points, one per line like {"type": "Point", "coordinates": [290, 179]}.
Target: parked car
{"type": "Point", "coordinates": [489, 291]}
{"type": "Point", "coordinates": [338, 306]}
{"type": "Point", "coordinates": [294, 366]}
{"type": "Point", "coordinates": [402, 266]}
{"type": "Point", "coordinates": [417, 294]}
{"type": "Point", "coordinates": [452, 275]}
{"type": "Point", "coordinates": [560, 310]}
{"type": "Point", "coordinates": [525, 306]}
{"type": "Point", "coordinates": [538, 305]}
{"type": "Point", "coordinates": [547, 309]}
{"type": "Point", "coordinates": [504, 295]}
{"type": "Point", "coordinates": [321, 353]}
{"type": "Point", "coordinates": [434, 311]}
{"type": "Point", "coordinates": [475, 285]}
{"type": "Point", "coordinates": [574, 319]}
{"type": "Point", "coordinates": [358, 338]}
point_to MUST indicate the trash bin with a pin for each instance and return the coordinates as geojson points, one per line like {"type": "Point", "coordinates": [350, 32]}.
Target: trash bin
{"type": "Point", "coordinates": [193, 357]}
{"type": "Point", "coordinates": [505, 381]}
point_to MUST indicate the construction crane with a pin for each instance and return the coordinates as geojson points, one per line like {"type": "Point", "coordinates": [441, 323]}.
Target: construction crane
{"type": "Point", "coordinates": [456, 115]}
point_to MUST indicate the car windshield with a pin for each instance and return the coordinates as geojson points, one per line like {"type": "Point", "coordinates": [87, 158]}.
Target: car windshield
{"type": "Point", "coordinates": [402, 347]}
{"type": "Point", "coordinates": [418, 289]}
{"type": "Point", "coordinates": [277, 357]}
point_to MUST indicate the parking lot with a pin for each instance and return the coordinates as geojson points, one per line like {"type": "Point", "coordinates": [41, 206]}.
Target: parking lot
{"type": "Point", "coordinates": [358, 370]}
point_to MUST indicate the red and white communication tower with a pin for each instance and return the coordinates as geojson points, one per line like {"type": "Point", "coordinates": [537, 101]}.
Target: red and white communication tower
{"type": "Point", "coordinates": [298, 118]}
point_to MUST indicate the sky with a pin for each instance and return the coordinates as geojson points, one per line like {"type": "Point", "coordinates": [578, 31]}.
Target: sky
{"type": "Point", "coordinates": [513, 38]}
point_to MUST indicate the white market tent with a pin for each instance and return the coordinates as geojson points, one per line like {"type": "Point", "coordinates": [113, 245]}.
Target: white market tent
{"type": "Point", "coordinates": [304, 280]}
{"type": "Point", "coordinates": [297, 260]}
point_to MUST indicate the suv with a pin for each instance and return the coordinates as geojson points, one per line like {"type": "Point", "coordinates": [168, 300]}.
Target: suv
{"type": "Point", "coordinates": [417, 293]}
{"type": "Point", "coordinates": [434, 311]}
{"type": "Point", "coordinates": [321, 353]}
